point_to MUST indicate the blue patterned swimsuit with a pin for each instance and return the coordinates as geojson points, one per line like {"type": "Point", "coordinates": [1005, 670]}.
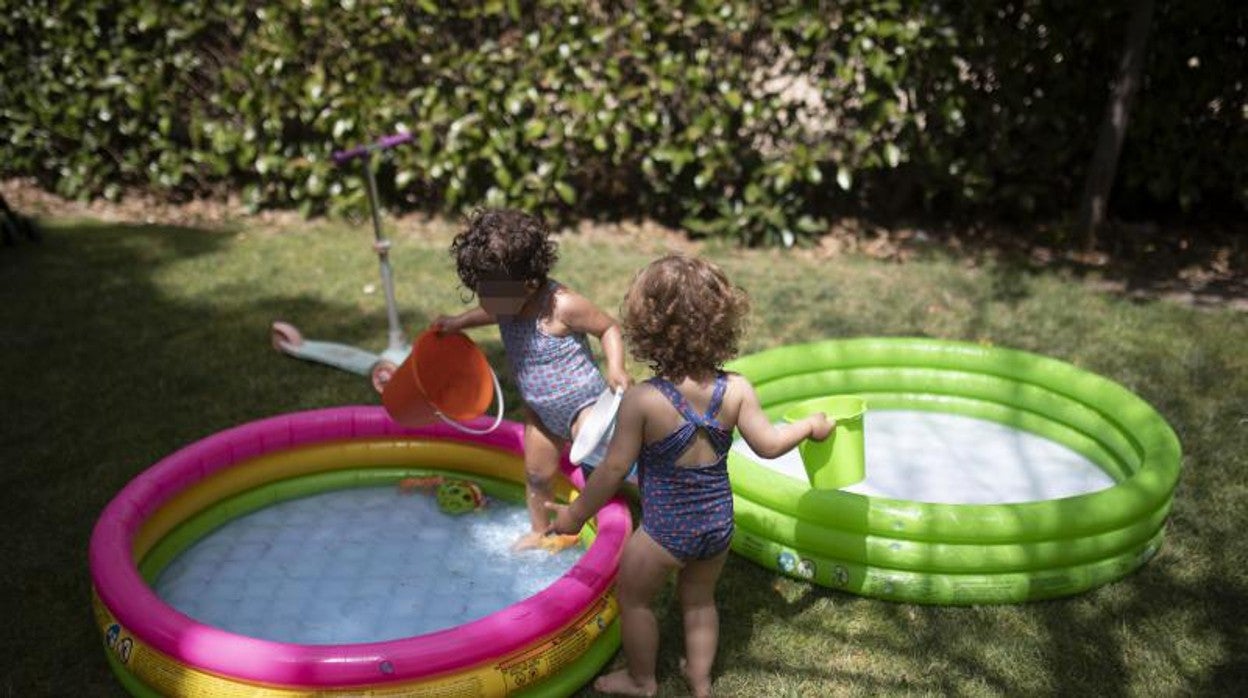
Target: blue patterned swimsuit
{"type": "Point", "coordinates": [557, 375]}
{"type": "Point", "coordinates": [688, 509]}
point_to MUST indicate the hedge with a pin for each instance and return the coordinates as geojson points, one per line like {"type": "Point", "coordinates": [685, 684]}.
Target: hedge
{"type": "Point", "coordinates": [755, 120]}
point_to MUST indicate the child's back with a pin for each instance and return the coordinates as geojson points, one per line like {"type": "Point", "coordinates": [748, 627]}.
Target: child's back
{"type": "Point", "coordinates": [686, 499]}
{"type": "Point", "coordinates": [683, 317]}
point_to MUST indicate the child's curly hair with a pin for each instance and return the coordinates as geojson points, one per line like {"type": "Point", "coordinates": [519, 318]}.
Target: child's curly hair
{"type": "Point", "coordinates": [503, 244]}
{"type": "Point", "coordinates": [683, 317]}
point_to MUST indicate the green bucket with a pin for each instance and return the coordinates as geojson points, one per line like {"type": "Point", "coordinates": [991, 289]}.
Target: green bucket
{"type": "Point", "coordinates": [839, 460]}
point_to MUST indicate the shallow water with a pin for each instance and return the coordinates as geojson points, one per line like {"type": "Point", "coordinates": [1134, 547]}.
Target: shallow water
{"type": "Point", "coordinates": [358, 565]}
{"type": "Point", "coordinates": [951, 459]}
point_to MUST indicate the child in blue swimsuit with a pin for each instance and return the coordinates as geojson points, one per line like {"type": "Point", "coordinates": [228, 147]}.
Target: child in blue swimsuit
{"type": "Point", "coordinates": [683, 317]}
{"type": "Point", "coordinates": [504, 257]}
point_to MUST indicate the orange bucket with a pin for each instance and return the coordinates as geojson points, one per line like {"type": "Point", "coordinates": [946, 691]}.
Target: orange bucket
{"type": "Point", "coordinates": [445, 376]}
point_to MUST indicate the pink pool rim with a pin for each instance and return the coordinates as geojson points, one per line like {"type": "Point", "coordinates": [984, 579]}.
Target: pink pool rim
{"type": "Point", "coordinates": [117, 581]}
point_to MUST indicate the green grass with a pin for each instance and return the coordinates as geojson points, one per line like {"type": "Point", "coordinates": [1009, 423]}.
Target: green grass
{"type": "Point", "coordinates": [121, 343]}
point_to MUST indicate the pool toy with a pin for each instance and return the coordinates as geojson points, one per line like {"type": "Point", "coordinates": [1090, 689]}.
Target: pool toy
{"type": "Point", "coordinates": [444, 378]}
{"type": "Point", "coordinates": [590, 445]}
{"type": "Point", "coordinates": [840, 459]}
{"type": "Point", "coordinates": [287, 338]}
{"type": "Point", "coordinates": [938, 553]}
{"type": "Point", "coordinates": [555, 543]}
{"type": "Point", "coordinates": [548, 644]}
{"type": "Point", "coordinates": [459, 497]}
{"type": "Point", "coordinates": [452, 496]}
{"type": "Point", "coordinates": [409, 485]}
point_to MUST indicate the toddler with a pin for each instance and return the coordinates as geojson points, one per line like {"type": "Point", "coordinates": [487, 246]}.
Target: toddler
{"type": "Point", "coordinates": [504, 257]}
{"type": "Point", "coordinates": [683, 317]}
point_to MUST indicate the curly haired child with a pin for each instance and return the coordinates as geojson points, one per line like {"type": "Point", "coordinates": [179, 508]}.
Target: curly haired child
{"type": "Point", "coordinates": [504, 256]}
{"type": "Point", "coordinates": [683, 317]}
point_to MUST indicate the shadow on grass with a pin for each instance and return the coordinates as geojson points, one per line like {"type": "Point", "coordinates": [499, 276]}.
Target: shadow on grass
{"type": "Point", "coordinates": [1105, 642]}
{"type": "Point", "coordinates": [1206, 265]}
{"type": "Point", "coordinates": [104, 374]}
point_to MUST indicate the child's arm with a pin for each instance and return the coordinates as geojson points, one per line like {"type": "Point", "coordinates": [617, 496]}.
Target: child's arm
{"type": "Point", "coordinates": [473, 317]}
{"type": "Point", "coordinates": [579, 314]}
{"type": "Point", "coordinates": [606, 478]}
{"type": "Point", "coordinates": [769, 440]}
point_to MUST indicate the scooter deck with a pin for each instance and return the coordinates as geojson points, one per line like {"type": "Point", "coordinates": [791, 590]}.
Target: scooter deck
{"type": "Point", "coordinates": [345, 357]}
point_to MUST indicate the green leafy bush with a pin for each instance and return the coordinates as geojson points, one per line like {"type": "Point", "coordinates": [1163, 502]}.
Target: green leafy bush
{"type": "Point", "coordinates": [750, 120]}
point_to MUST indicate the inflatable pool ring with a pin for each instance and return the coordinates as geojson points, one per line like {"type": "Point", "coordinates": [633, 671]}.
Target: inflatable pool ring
{"type": "Point", "coordinates": [548, 644]}
{"type": "Point", "coordinates": [959, 553]}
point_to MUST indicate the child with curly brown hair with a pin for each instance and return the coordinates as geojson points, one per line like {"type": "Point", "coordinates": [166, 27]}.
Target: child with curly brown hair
{"type": "Point", "coordinates": [504, 256]}
{"type": "Point", "coordinates": [683, 317]}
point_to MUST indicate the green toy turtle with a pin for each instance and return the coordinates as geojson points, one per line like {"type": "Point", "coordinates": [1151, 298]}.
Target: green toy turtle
{"type": "Point", "coordinates": [459, 497]}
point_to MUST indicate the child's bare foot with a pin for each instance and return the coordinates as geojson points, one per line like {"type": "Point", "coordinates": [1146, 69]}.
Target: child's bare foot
{"type": "Point", "coordinates": [700, 687]}
{"type": "Point", "coordinates": [529, 541]}
{"type": "Point", "coordinates": [621, 683]}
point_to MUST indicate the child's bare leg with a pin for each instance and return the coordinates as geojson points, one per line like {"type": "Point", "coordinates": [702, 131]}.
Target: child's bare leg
{"type": "Point", "coordinates": [644, 568]}
{"type": "Point", "coordinates": [696, 588]}
{"type": "Point", "coordinates": [541, 461]}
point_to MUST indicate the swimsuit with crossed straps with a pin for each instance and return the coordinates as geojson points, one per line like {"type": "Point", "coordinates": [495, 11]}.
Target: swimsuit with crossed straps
{"type": "Point", "coordinates": [688, 509]}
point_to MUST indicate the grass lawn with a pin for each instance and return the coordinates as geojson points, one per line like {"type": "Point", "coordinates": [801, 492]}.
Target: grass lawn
{"type": "Point", "coordinates": [120, 343]}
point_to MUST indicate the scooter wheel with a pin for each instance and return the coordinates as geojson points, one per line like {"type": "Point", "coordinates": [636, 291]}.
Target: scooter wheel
{"type": "Point", "coordinates": [283, 335]}
{"type": "Point", "coordinates": [382, 372]}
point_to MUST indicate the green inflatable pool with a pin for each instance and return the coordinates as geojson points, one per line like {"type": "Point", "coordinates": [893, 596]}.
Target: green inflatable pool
{"type": "Point", "coordinates": [934, 553]}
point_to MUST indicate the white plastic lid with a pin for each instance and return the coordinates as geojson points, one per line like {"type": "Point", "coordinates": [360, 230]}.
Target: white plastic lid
{"type": "Point", "coordinates": [597, 422]}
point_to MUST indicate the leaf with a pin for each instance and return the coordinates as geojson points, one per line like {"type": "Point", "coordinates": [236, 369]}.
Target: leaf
{"type": "Point", "coordinates": [534, 129]}
{"type": "Point", "coordinates": [892, 154]}
{"type": "Point", "coordinates": [810, 225]}
{"type": "Point", "coordinates": [623, 139]}
{"type": "Point", "coordinates": [676, 157]}
{"type": "Point", "coordinates": [704, 178]}
{"type": "Point", "coordinates": [565, 192]}
{"type": "Point", "coordinates": [342, 126]}
{"type": "Point", "coordinates": [844, 178]}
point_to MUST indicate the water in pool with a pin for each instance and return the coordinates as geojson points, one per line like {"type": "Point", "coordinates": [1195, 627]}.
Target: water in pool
{"type": "Point", "coordinates": [950, 459]}
{"type": "Point", "coordinates": [358, 565]}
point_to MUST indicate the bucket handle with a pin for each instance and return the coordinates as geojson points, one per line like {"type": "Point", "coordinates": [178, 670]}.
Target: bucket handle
{"type": "Point", "coordinates": [498, 418]}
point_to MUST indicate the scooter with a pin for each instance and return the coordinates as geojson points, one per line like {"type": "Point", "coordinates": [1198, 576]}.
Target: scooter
{"type": "Point", "coordinates": [287, 339]}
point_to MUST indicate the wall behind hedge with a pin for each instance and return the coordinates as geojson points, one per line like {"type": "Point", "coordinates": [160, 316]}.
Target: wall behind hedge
{"type": "Point", "coordinates": [757, 120]}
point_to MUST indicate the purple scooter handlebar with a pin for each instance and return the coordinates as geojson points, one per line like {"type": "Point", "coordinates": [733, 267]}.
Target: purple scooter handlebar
{"type": "Point", "coordinates": [342, 157]}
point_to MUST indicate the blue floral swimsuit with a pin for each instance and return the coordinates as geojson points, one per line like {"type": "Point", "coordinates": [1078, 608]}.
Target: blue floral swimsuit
{"type": "Point", "coordinates": [688, 509]}
{"type": "Point", "coordinates": [557, 375]}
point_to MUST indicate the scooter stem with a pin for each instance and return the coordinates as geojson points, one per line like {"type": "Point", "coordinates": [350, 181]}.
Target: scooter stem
{"type": "Point", "coordinates": [382, 245]}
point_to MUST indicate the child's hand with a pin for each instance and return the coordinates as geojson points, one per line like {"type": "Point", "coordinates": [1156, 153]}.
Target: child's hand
{"type": "Point", "coordinates": [564, 521]}
{"type": "Point", "coordinates": [618, 379]}
{"type": "Point", "coordinates": [444, 323]}
{"type": "Point", "coordinates": [821, 426]}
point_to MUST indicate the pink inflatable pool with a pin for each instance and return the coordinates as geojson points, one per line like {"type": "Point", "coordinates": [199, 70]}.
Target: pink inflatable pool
{"type": "Point", "coordinates": [513, 649]}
